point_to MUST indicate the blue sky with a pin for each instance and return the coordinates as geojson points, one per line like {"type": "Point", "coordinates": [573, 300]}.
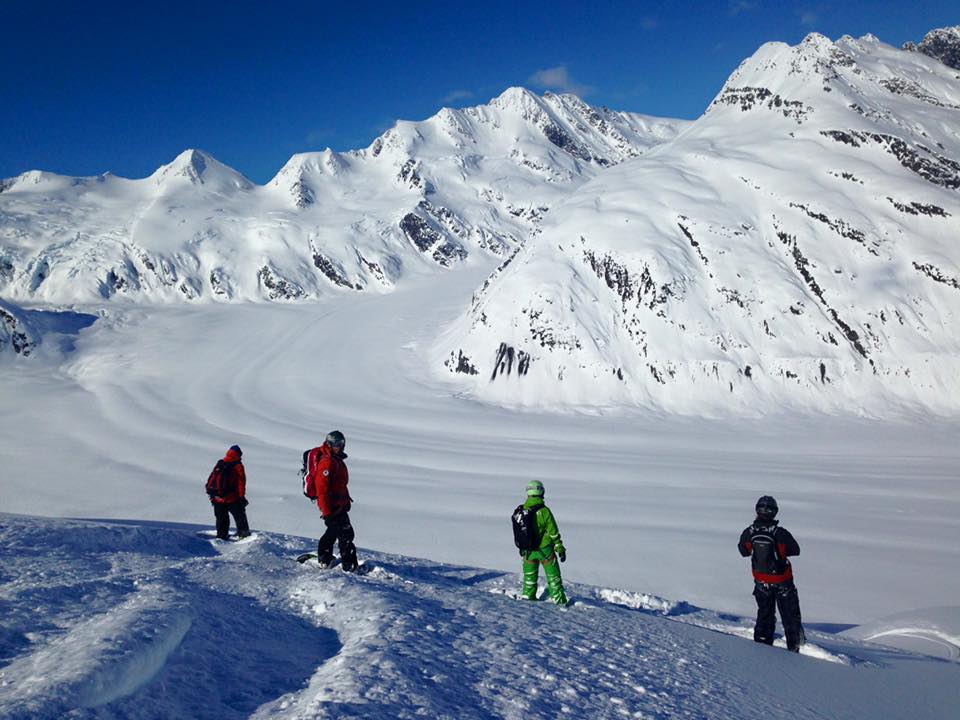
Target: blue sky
{"type": "Point", "coordinates": [87, 87]}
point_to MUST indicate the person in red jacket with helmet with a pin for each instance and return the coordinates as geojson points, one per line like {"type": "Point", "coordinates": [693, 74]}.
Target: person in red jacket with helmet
{"type": "Point", "coordinates": [227, 488]}
{"type": "Point", "coordinates": [769, 546]}
{"type": "Point", "coordinates": [326, 482]}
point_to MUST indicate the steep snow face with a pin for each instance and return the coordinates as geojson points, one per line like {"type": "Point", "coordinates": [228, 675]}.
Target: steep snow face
{"type": "Point", "coordinates": [942, 44]}
{"type": "Point", "coordinates": [794, 247]}
{"type": "Point", "coordinates": [424, 196]}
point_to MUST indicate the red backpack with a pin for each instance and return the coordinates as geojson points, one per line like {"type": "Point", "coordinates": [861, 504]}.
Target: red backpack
{"type": "Point", "coordinates": [222, 480]}
{"type": "Point", "coordinates": [311, 458]}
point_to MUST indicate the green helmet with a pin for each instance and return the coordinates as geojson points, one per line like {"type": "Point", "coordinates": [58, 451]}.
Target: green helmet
{"type": "Point", "coordinates": [535, 488]}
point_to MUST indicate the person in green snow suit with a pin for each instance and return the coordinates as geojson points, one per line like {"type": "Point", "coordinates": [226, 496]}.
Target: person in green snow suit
{"type": "Point", "coordinates": [551, 548]}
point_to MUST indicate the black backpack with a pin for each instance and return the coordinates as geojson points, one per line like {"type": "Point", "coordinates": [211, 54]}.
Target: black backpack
{"type": "Point", "coordinates": [766, 556]}
{"type": "Point", "coordinates": [222, 480]}
{"type": "Point", "coordinates": [526, 536]}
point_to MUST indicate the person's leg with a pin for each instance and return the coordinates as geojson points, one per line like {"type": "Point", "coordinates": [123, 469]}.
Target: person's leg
{"type": "Point", "coordinates": [222, 515]}
{"type": "Point", "coordinates": [788, 602]}
{"type": "Point", "coordinates": [345, 537]}
{"type": "Point", "coordinates": [766, 613]}
{"type": "Point", "coordinates": [325, 544]}
{"type": "Point", "coordinates": [551, 568]}
{"type": "Point", "coordinates": [239, 512]}
{"type": "Point", "coordinates": [531, 573]}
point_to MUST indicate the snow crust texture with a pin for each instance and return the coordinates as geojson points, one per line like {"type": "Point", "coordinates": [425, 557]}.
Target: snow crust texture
{"type": "Point", "coordinates": [424, 196]}
{"type": "Point", "coordinates": [793, 248]}
{"type": "Point", "coordinates": [139, 620]}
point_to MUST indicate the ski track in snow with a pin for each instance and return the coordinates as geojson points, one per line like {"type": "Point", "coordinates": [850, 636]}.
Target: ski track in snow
{"type": "Point", "coordinates": [144, 620]}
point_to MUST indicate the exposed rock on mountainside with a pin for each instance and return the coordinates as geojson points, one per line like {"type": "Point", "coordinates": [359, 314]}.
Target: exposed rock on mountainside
{"type": "Point", "coordinates": [16, 333]}
{"type": "Point", "coordinates": [795, 247]}
{"type": "Point", "coordinates": [942, 44]}
{"type": "Point", "coordinates": [423, 197]}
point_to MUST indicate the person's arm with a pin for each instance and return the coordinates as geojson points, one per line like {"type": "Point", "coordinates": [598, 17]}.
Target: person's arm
{"type": "Point", "coordinates": [550, 532]}
{"type": "Point", "coordinates": [321, 484]}
{"type": "Point", "coordinates": [241, 480]}
{"type": "Point", "coordinates": [745, 546]}
{"type": "Point", "coordinates": [787, 546]}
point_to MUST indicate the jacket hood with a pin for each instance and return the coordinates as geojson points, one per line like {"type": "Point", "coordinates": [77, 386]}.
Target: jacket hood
{"type": "Point", "coordinates": [533, 501]}
{"type": "Point", "coordinates": [232, 456]}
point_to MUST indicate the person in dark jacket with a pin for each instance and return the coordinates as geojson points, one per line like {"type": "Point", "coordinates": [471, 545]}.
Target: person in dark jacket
{"type": "Point", "coordinates": [231, 497]}
{"type": "Point", "coordinates": [769, 546]}
{"type": "Point", "coordinates": [327, 483]}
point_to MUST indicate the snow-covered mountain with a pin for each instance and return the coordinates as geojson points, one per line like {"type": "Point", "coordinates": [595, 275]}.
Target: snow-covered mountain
{"type": "Point", "coordinates": [795, 247]}
{"type": "Point", "coordinates": [942, 44]}
{"type": "Point", "coordinates": [424, 195]}
{"type": "Point", "coordinates": [152, 620]}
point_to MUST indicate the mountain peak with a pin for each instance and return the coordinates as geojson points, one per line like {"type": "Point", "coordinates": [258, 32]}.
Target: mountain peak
{"type": "Point", "coordinates": [942, 44]}
{"type": "Point", "coordinates": [200, 168]}
{"type": "Point", "coordinates": [517, 98]}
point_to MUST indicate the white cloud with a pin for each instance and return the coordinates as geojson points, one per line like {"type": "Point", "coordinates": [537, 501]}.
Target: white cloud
{"type": "Point", "coordinates": [457, 95]}
{"type": "Point", "coordinates": [808, 18]}
{"type": "Point", "coordinates": [558, 78]}
{"type": "Point", "coordinates": [735, 7]}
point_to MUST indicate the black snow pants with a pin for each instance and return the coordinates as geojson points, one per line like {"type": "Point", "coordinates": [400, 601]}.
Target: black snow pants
{"type": "Point", "coordinates": [771, 596]}
{"type": "Point", "coordinates": [339, 529]}
{"type": "Point", "coordinates": [223, 511]}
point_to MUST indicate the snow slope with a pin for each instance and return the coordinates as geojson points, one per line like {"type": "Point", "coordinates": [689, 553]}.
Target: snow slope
{"type": "Point", "coordinates": [129, 425]}
{"type": "Point", "coordinates": [140, 620]}
{"type": "Point", "coordinates": [425, 195]}
{"type": "Point", "coordinates": [794, 247]}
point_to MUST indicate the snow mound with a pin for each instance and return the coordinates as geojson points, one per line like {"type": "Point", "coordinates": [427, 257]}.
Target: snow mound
{"type": "Point", "coordinates": [125, 619]}
{"type": "Point", "coordinates": [935, 631]}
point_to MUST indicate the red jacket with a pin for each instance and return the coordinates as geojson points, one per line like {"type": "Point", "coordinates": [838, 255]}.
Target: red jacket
{"type": "Point", "coordinates": [329, 482]}
{"type": "Point", "coordinates": [236, 467]}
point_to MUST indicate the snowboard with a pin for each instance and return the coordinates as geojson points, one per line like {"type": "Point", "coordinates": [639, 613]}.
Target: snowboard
{"type": "Point", "coordinates": [362, 569]}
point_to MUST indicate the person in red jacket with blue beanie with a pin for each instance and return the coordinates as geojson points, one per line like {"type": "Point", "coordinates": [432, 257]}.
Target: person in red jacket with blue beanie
{"type": "Point", "coordinates": [227, 489]}
{"type": "Point", "coordinates": [326, 482]}
{"type": "Point", "coordinates": [769, 546]}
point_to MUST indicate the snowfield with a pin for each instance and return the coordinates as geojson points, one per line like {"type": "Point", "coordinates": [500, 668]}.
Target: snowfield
{"type": "Point", "coordinates": [135, 620]}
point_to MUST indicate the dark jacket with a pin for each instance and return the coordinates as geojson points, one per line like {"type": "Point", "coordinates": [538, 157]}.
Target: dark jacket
{"type": "Point", "coordinates": [768, 545]}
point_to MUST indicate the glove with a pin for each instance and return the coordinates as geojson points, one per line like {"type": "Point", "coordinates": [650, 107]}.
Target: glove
{"type": "Point", "coordinates": [244, 501]}
{"type": "Point", "coordinates": [563, 555]}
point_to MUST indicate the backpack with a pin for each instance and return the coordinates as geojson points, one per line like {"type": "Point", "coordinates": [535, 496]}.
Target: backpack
{"type": "Point", "coordinates": [310, 460]}
{"type": "Point", "coordinates": [526, 536]}
{"type": "Point", "coordinates": [222, 480]}
{"type": "Point", "coordinates": [766, 556]}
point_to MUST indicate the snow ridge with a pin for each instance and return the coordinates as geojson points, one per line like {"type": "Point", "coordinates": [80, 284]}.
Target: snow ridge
{"type": "Point", "coordinates": [424, 196]}
{"type": "Point", "coordinates": [143, 619]}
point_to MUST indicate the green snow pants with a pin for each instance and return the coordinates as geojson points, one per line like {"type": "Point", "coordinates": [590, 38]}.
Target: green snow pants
{"type": "Point", "coordinates": [551, 568]}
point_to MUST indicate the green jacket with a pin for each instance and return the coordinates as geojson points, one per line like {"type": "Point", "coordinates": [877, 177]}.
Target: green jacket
{"type": "Point", "coordinates": [546, 526]}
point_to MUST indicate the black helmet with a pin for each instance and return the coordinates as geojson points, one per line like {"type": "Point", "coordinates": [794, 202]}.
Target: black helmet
{"type": "Point", "coordinates": [336, 439]}
{"type": "Point", "coordinates": [767, 508]}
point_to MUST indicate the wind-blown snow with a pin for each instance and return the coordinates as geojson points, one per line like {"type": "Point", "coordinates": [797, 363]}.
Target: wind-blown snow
{"type": "Point", "coordinates": [137, 620]}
